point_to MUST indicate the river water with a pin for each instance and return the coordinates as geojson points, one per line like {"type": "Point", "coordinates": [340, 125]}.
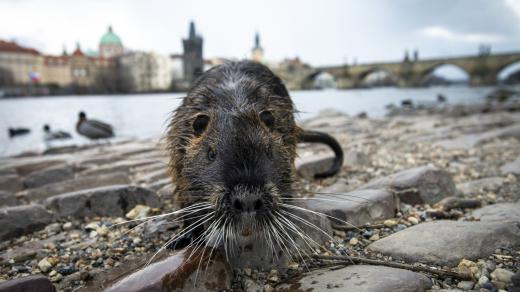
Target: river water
{"type": "Point", "coordinates": [145, 116]}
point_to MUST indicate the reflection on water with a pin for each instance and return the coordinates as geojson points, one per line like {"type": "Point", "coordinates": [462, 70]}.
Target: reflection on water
{"type": "Point", "coordinates": [145, 116]}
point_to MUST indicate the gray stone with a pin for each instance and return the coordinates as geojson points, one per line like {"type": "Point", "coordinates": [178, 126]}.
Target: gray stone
{"type": "Point", "coordinates": [19, 220]}
{"type": "Point", "coordinates": [357, 207]}
{"type": "Point", "coordinates": [49, 175]}
{"type": "Point", "coordinates": [7, 199]}
{"type": "Point", "coordinates": [152, 176]}
{"type": "Point", "coordinates": [503, 212]}
{"type": "Point", "coordinates": [166, 191]}
{"type": "Point", "coordinates": [424, 184]}
{"type": "Point", "coordinates": [360, 278]}
{"type": "Point", "coordinates": [156, 186]}
{"type": "Point", "coordinates": [10, 183]}
{"type": "Point", "coordinates": [308, 166]}
{"type": "Point", "coordinates": [511, 167]}
{"type": "Point", "coordinates": [113, 201]}
{"type": "Point", "coordinates": [355, 158]}
{"type": "Point", "coordinates": [469, 141]}
{"type": "Point", "coordinates": [484, 184]}
{"type": "Point", "coordinates": [83, 182]}
{"type": "Point", "coordinates": [31, 283]}
{"type": "Point", "coordinates": [447, 242]}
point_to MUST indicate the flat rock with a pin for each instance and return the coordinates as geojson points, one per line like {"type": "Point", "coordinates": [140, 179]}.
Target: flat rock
{"type": "Point", "coordinates": [8, 199]}
{"type": "Point", "coordinates": [19, 220]}
{"type": "Point", "coordinates": [511, 167]}
{"type": "Point", "coordinates": [10, 183]}
{"type": "Point", "coordinates": [503, 212]}
{"type": "Point", "coordinates": [447, 242]}
{"type": "Point", "coordinates": [113, 201]}
{"type": "Point", "coordinates": [424, 184]}
{"type": "Point", "coordinates": [476, 186]}
{"type": "Point", "coordinates": [49, 175]}
{"type": "Point", "coordinates": [120, 166]}
{"type": "Point", "coordinates": [308, 166]}
{"type": "Point", "coordinates": [173, 273]}
{"type": "Point", "coordinates": [33, 283]}
{"type": "Point", "coordinates": [360, 278]}
{"type": "Point", "coordinates": [83, 182]}
{"type": "Point", "coordinates": [357, 207]}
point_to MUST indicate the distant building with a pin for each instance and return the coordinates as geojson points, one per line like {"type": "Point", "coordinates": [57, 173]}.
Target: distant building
{"type": "Point", "coordinates": [257, 53]}
{"type": "Point", "coordinates": [145, 72]}
{"type": "Point", "coordinates": [193, 59]}
{"type": "Point", "coordinates": [19, 65]}
{"type": "Point", "coordinates": [110, 45]}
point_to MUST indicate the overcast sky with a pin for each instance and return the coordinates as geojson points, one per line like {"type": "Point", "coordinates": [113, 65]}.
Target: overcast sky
{"type": "Point", "coordinates": [319, 32]}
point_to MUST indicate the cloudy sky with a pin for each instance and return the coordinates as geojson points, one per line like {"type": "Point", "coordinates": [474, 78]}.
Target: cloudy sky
{"type": "Point", "coordinates": [319, 32]}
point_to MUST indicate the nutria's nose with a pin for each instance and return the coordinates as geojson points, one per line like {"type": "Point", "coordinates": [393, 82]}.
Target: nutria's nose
{"type": "Point", "coordinates": [248, 205]}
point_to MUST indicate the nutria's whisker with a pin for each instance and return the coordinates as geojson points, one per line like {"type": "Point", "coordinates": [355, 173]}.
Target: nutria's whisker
{"type": "Point", "coordinates": [189, 208]}
{"type": "Point", "coordinates": [318, 213]}
{"type": "Point", "coordinates": [280, 240]}
{"type": "Point", "coordinates": [322, 199]}
{"type": "Point", "coordinates": [304, 236]}
{"type": "Point", "coordinates": [308, 223]}
{"type": "Point", "coordinates": [214, 230]}
{"type": "Point", "coordinates": [184, 232]}
{"type": "Point", "coordinates": [280, 224]}
{"type": "Point", "coordinates": [341, 195]}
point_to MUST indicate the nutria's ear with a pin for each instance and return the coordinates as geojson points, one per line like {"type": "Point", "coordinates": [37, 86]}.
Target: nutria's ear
{"type": "Point", "coordinates": [267, 118]}
{"type": "Point", "coordinates": [200, 124]}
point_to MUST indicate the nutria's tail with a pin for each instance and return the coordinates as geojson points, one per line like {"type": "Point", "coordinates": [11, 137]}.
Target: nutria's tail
{"type": "Point", "coordinates": [319, 137]}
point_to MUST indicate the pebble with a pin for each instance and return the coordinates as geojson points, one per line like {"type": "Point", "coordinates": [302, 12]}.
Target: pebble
{"type": "Point", "coordinates": [465, 285]}
{"type": "Point", "coordinates": [483, 280]}
{"type": "Point", "coordinates": [374, 237]}
{"type": "Point", "coordinates": [44, 265]}
{"type": "Point", "coordinates": [67, 226]}
{"type": "Point", "coordinates": [500, 275]}
{"type": "Point", "coordinates": [413, 220]}
{"type": "Point", "coordinates": [138, 212]}
{"type": "Point", "coordinates": [353, 241]}
{"type": "Point", "coordinates": [390, 223]}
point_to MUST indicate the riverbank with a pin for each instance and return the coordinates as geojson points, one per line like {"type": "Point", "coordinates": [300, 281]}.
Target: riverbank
{"type": "Point", "coordinates": [436, 189]}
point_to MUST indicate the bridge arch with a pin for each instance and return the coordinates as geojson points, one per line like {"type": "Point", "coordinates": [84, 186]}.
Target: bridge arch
{"type": "Point", "coordinates": [380, 77]}
{"type": "Point", "coordinates": [458, 73]}
{"type": "Point", "coordinates": [509, 72]}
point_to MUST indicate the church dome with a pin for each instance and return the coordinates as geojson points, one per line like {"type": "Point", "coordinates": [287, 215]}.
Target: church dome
{"type": "Point", "coordinates": [110, 38]}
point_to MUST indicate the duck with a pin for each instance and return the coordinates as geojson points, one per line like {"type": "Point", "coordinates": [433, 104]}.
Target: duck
{"type": "Point", "coordinates": [18, 132]}
{"type": "Point", "coordinates": [54, 135]}
{"type": "Point", "coordinates": [93, 129]}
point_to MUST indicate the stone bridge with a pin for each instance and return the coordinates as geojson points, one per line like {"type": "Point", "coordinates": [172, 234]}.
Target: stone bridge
{"type": "Point", "coordinates": [481, 69]}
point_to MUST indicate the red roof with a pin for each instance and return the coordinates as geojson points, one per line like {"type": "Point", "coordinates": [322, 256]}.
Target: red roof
{"type": "Point", "coordinates": [14, 47]}
{"type": "Point", "coordinates": [78, 52]}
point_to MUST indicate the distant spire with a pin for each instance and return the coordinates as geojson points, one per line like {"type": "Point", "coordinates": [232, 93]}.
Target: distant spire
{"type": "Point", "coordinates": [64, 52]}
{"type": "Point", "coordinates": [192, 34]}
{"type": "Point", "coordinates": [257, 40]}
{"type": "Point", "coordinates": [110, 29]}
{"type": "Point", "coordinates": [78, 47]}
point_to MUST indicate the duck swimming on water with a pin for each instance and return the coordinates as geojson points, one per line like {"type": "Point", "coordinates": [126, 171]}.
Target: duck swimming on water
{"type": "Point", "coordinates": [93, 129]}
{"type": "Point", "coordinates": [54, 135]}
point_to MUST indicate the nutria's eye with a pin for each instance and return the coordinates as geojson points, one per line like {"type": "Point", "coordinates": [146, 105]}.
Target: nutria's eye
{"type": "Point", "coordinates": [267, 118]}
{"type": "Point", "coordinates": [200, 124]}
{"type": "Point", "coordinates": [212, 154]}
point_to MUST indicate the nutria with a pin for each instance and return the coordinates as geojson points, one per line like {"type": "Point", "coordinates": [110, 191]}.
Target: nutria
{"type": "Point", "coordinates": [232, 145]}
